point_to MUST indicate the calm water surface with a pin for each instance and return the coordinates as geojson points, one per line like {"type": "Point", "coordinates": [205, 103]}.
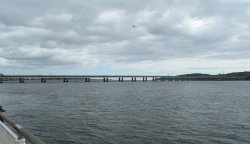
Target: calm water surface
{"type": "Point", "coordinates": [132, 113]}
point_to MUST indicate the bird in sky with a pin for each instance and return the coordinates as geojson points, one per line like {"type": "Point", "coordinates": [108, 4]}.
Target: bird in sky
{"type": "Point", "coordinates": [133, 26]}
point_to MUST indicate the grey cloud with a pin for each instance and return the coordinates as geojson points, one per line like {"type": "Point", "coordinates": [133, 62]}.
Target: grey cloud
{"type": "Point", "coordinates": [165, 29]}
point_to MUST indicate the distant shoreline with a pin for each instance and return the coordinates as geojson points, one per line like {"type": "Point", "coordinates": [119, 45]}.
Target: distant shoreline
{"type": "Point", "coordinates": [235, 76]}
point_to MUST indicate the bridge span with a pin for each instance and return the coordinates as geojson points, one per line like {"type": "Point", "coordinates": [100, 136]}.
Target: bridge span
{"type": "Point", "coordinates": [85, 78]}
{"type": "Point", "coordinates": [108, 78]}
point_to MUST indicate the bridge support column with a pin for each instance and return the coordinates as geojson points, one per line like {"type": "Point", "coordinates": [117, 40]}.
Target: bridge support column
{"type": "Point", "coordinates": [87, 79]}
{"type": "Point", "coordinates": [21, 80]}
{"type": "Point", "coordinates": [120, 79]}
{"type": "Point", "coordinates": [145, 79]}
{"type": "Point", "coordinates": [105, 79]}
{"type": "Point", "coordinates": [43, 80]}
{"type": "Point", "coordinates": [154, 79]}
{"type": "Point", "coordinates": [133, 79]}
{"type": "Point", "coordinates": [1, 80]}
{"type": "Point", "coordinates": [65, 80]}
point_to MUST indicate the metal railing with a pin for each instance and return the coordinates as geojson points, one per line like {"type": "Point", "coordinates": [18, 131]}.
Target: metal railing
{"type": "Point", "coordinates": [22, 131]}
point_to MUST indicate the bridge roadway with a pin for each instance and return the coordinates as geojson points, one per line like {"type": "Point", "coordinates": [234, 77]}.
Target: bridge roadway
{"type": "Point", "coordinates": [107, 78]}
{"type": "Point", "coordinates": [78, 76]}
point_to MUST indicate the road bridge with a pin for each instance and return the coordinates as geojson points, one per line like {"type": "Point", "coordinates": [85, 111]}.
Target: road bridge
{"type": "Point", "coordinates": [110, 78]}
{"type": "Point", "coordinates": [86, 78]}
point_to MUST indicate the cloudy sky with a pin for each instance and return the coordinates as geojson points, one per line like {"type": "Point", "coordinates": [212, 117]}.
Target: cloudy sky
{"type": "Point", "coordinates": [96, 37]}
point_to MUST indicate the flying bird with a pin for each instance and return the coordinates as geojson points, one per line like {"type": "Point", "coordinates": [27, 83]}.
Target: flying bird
{"type": "Point", "coordinates": [133, 26]}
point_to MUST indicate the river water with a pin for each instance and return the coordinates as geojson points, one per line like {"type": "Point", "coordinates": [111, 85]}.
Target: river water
{"type": "Point", "coordinates": [131, 113]}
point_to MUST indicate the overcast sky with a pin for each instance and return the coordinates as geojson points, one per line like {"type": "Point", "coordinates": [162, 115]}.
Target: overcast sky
{"type": "Point", "coordinates": [96, 37]}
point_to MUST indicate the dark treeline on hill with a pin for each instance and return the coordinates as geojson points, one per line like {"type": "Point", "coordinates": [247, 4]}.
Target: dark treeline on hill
{"type": "Point", "coordinates": [230, 76]}
{"type": "Point", "coordinates": [194, 75]}
{"type": "Point", "coordinates": [239, 74]}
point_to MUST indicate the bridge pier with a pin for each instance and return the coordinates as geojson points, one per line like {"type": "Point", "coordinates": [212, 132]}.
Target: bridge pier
{"type": "Point", "coordinates": [21, 80]}
{"type": "Point", "coordinates": [1, 80]}
{"type": "Point", "coordinates": [87, 79]}
{"type": "Point", "coordinates": [145, 79]}
{"type": "Point", "coordinates": [154, 79]}
{"type": "Point", "coordinates": [105, 79]}
{"type": "Point", "coordinates": [65, 80]}
{"type": "Point", "coordinates": [120, 79]}
{"type": "Point", "coordinates": [133, 79]}
{"type": "Point", "coordinates": [43, 80]}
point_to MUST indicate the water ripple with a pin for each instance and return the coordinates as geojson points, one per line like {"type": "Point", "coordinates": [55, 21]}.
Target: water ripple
{"type": "Point", "coordinates": [124, 113]}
